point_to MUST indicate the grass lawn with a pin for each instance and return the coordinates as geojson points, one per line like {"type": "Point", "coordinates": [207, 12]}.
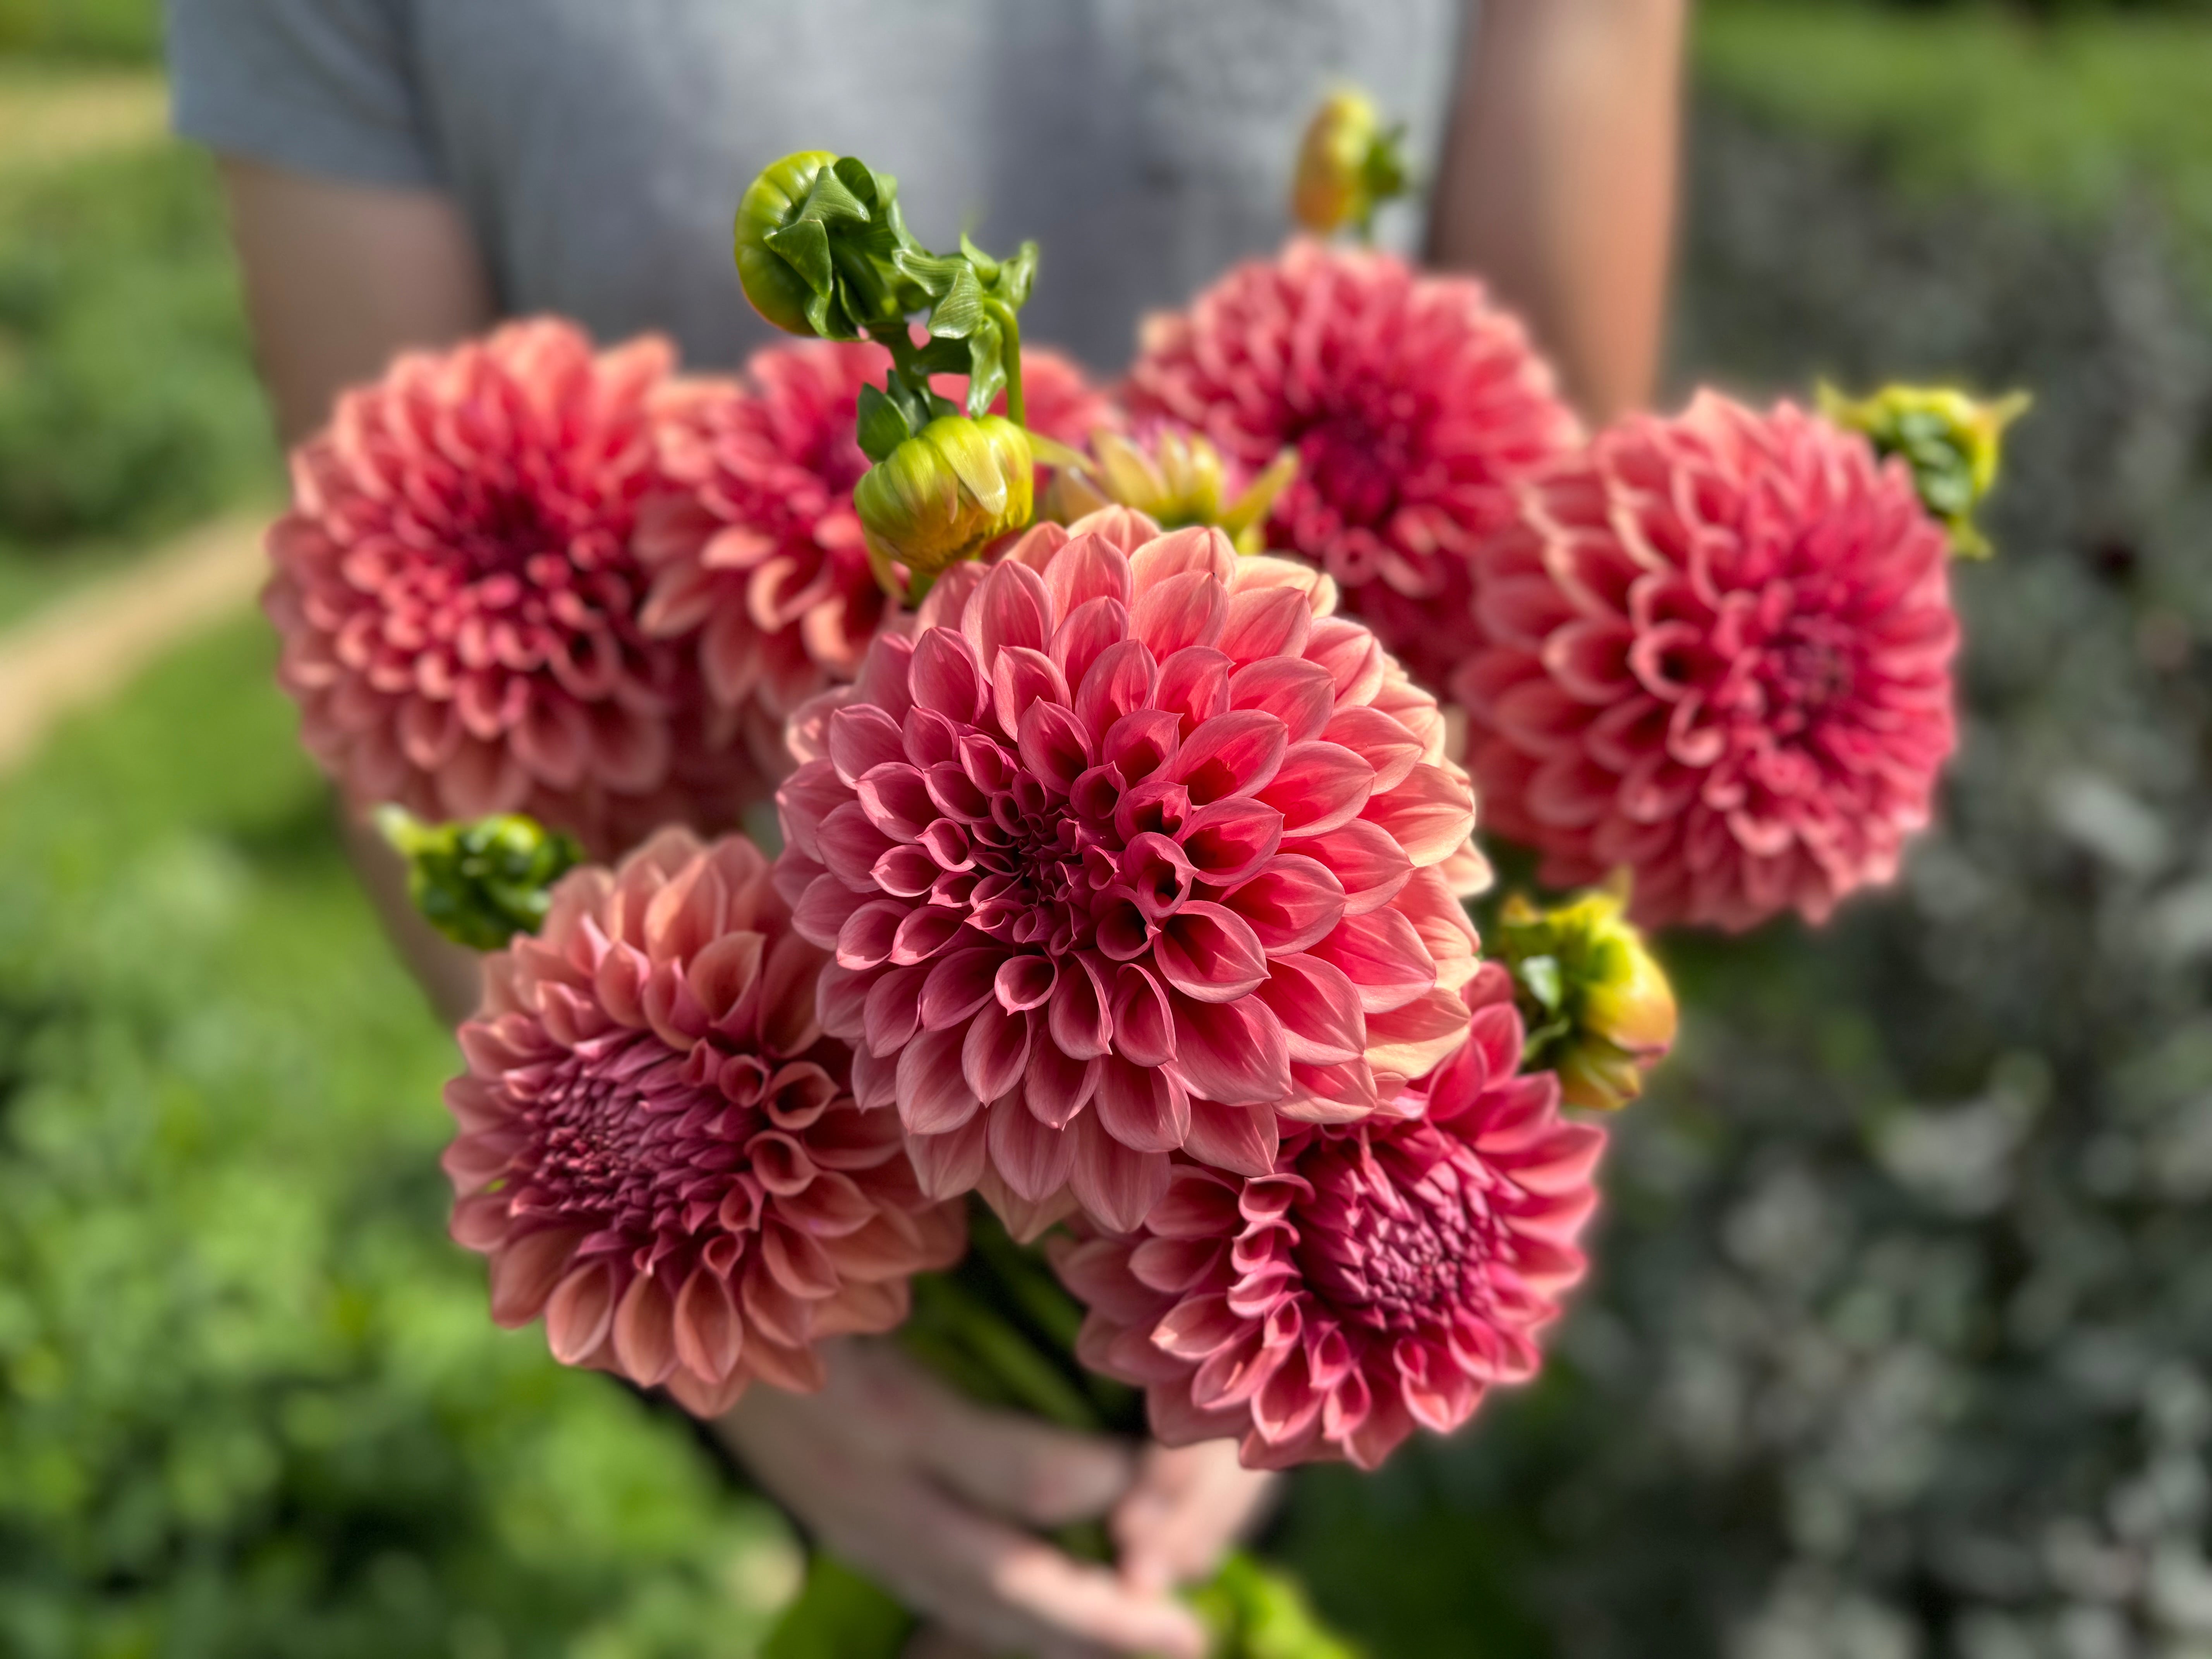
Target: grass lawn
{"type": "Point", "coordinates": [250, 1400]}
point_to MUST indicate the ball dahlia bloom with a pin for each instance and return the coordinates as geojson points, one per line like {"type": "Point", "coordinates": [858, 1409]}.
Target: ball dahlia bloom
{"type": "Point", "coordinates": [1715, 649]}
{"type": "Point", "coordinates": [752, 542]}
{"type": "Point", "coordinates": [1411, 401]}
{"type": "Point", "coordinates": [1379, 1277]}
{"type": "Point", "coordinates": [1130, 846]}
{"type": "Point", "coordinates": [659, 1149]}
{"type": "Point", "coordinates": [459, 600]}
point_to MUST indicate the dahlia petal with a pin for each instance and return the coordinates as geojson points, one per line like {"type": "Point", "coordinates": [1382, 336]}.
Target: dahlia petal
{"type": "Point", "coordinates": [1365, 859]}
{"type": "Point", "coordinates": [1299, 694]}
{"type": "Point", "coordinates": [1412, 1039]}
{"type": "Point", "coordinates": [1234, 754]}
{"type": "Point", "coordinates": [1385, 742]}
{"type": "Point", "coordinates": [933, 1096]}
{"type": "Point", "coordinates": [1382, 954]}
{"type": "Point", "coordinates": [1233, 1053]}
{"type": "Point", "coordinates": [1322, 785]}
{"type": "Point", "coordinates": [944, 677]}
{"type": "Point", "coordinates": [861, 738]}
{"type": "Point", "coordinates": [709, 1334]}
{"type": "Point", "coordinates": [1081, 639]}
{"type": "Point", "coordinates": [1011, 607]}
{"type": "Point", "coordinates": [799, 1265]}
{"type": "Point", "coordinates": [1058, 1086]}
{"type": "Point", "coordinates": [1143, 1025]}
{"type": "Point", "coordinates": [1193, 685]}
{"type": "Point", "coordinates": [1054, 745]}
{"type": "Point", "coordinates": [1033, 1157]}
{"type": "Point", "coordinates": [525, 1272]}
{"type": "Point", "coordinates": [645, 1331]}
{"type": "Point", "coordinates": [1430, 814]}
{"type": "Point", "coordinates": [1208, 951]}
{"type": "Point", "coordinates": [1143, 1107]}
{"type": "Point", "coordinates": [1243, 1140]}
{"type": "Point", "coordinates": [1319, 1008]}
{"type": "Point", "coordinates": [996, 1053]}
{"type": "Point", "coordinates": [1290, 904]}
{"type": "Point", "coordinates": [1266, 622]}
{"type": "Point", "coordinates": [1078, 1020]}
{"type": "Point", "coordinates": [580, 1313]}
{"type": "Point", "coordinates": [1115, 1184]}
{"type": "Point", "coordinates": [1088, 567]}
{"type": "Point", "coordinates": [1189, 607]}
{"type": "Point", "coordinates": [1119, 681]}
{"type": "Point", "coordinates": [1227, 841]}
{"type": "Point", "coordinates": [959, 984]}
{"type": "Point", "coordinates": [1196, 1327]}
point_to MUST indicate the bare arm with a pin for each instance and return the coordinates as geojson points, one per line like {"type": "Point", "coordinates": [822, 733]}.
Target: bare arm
{"type": "Point", "coordinates": [339, 278]}
{"type": "Point", "coordinates": [1558, 176]}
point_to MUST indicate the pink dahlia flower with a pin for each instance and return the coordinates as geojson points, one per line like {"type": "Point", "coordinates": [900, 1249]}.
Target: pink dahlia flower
{"type": "Point", "coordinates": [458, 599]}
{"type": "Point", "coordinates": [753, 544]}
{"type": "Point", "coordinates": [1411, 400]}
{"type": "Point", "coordinates": [659, 1149]}
{"type": "Point", "coordinates": [1715, 649]}
{"type": "Point", "coordinates": [1380, 1277]}
{"type": "Point", "coordinates": [1131, 845]}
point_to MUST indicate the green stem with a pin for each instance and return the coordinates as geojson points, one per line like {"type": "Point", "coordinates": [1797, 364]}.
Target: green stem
{"type": "Point", "coordinates": [1016, 411]}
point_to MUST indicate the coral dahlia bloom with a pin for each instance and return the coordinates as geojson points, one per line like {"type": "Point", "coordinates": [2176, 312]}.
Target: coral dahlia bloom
{"type": "Point", "coordinates": [753, 544]}
{"type": "Point", "coordinates": [1412, 401]}
{"type": "Point", "coordinates": [1716, 649]}
{"type": "Point", "coordinates": [1380, 1277]}
{"type": "Point", "coordinates": [659, 1149]}
{"type": "Point", "coordinates": [458, 599]}
{"type": "Point", "coordinates": [1131, 845]}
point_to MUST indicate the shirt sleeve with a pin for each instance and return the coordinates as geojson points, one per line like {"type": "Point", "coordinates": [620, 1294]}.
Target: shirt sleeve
{"type": "Point", "coordinates": [323, 86]}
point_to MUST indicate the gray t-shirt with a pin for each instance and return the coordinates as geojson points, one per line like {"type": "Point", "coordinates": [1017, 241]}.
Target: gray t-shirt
{"type": "Point", "coordinates": [598, 146]}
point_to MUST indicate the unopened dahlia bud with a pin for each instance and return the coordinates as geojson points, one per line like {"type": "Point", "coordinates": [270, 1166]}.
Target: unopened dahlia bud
{"type": "Point", "coordinates": [945, 495]}
{"type": "Point", "coordinates": [1175, 478]}
{"type": "Point", "coordinates": [1348, 166]}
{"type": "Point", "coordinates": [1599, 1009]}
{"type": "Point", "coordinates": [772, 203]}
{"type": "Point", "coordinates": [480, 883]}
{"type": "Point", "coordinates": [1951, 441]}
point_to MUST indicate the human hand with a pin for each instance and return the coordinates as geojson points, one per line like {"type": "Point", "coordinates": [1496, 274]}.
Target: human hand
{"type": "Point", "coordinates": [929, 1495]}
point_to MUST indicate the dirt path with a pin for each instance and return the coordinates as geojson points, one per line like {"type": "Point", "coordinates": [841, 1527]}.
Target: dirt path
{"type": "Point", "coordinates": [51, 116]}
{"type": "Point", "coordinates": [88, 644]}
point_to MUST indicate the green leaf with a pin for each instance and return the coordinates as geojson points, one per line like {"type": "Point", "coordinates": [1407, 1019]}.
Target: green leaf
{"type": "Point", "coordinates": [839, 1615]}
{"type": "Point", "coordinates": [943, 357]}
{"type": "Point", "coordinates": [987, 367]}
{"type": "Point", "coordinates": [959, 313]}
{"type": "Point", "coordinates": [1016, 277]}
{"type": "Point", "coordinates": [986, 266]}
{"type": "Point", "coordinates": [883, 425]}
{"type": "Point", "coordinates": [830, 202]}
{"type": "Point", "coordinates": [804, 245]}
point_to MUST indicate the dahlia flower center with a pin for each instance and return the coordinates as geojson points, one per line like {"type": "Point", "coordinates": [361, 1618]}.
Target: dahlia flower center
{"type": "Point", "coordinates": [1357, 462]}
{"type": "Point", "coordinates": [620, 1139]}
{"type": "Point", "coordinates": [1395, 1254]}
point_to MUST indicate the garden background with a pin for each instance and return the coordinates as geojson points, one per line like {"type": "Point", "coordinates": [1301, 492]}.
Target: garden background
{"type": "Point", "coordinates": [1900, 1340]}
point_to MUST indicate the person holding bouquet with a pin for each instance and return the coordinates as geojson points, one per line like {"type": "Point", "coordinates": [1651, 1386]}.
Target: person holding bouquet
{"type": "Point", "coordinates": [403, 174]}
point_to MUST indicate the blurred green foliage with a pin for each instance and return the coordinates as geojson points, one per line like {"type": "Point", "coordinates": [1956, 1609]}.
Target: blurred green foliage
{"type": "Point", "coordinates": [110, 31]}
{"type": "Point", "coordinates": [2078, 114]}
{"type": "Point", "coordinates": [250, 1400]}
{"type": "Point", "coordinates": [127, 404]}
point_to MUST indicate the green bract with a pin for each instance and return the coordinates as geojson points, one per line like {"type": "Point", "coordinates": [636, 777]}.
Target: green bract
{"type": "Point", "coordinates": [1951, 441]}
{"type": "Point", "coordinates": [944, 495]}
{"type": "Point", "coordinates": [480, 882]}
{"type": "Point", "coordinates": [770, 204]}
{"type": "Point", "coordinates": [1599, 1009]}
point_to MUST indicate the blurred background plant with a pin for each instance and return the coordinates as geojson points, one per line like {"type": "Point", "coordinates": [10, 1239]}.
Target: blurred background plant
{"type": "Point", "coordinates": [1901, 1344]}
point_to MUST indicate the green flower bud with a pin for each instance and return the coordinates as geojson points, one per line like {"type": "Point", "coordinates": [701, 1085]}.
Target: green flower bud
{"type": "Point", "coordinates": [1598, 1007]}
{"type": "Point", "coordinates": [770, 203]}
{"type": "Point", "coordinates": [1180, 480]}
{"type": "Point", "coordinates": [1348, 166]}
{"type": "Point", "coordinates": [943, 496]}
{"type": "Point", "coordinates": [480, 882]}
{"type": "Point", "coordinates": [1951, 441]}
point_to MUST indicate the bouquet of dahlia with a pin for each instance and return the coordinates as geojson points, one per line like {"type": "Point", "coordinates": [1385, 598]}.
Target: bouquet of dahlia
{"type": "Point", "coordinates": [1106, 1012]}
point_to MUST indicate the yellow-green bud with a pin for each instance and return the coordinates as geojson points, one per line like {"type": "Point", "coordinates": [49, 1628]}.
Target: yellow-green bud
{"type": "Point", "coordinates": [480, 882]}
{"type": "Point", "coordinates": [1180, 481]}
{"type": "Point", "coordinates": [770, 204]}
{"type": "Point", "coordinates": [1348, 165]}
{"type": "Point", "coordinates": [1952, 442]}
{"type": "Point", "coordinates": [1599, 1009]}
{"type": "Point", "coordinates": [945, 495]}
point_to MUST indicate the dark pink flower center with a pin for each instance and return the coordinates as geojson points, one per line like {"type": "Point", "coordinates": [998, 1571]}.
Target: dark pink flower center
{"type": "Point", "coordinates": [621, 1138]}
{"type": "Point", "coordinates": [1357, 458]}
{"type": "Point", "coordinates": [1393, 1246]}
